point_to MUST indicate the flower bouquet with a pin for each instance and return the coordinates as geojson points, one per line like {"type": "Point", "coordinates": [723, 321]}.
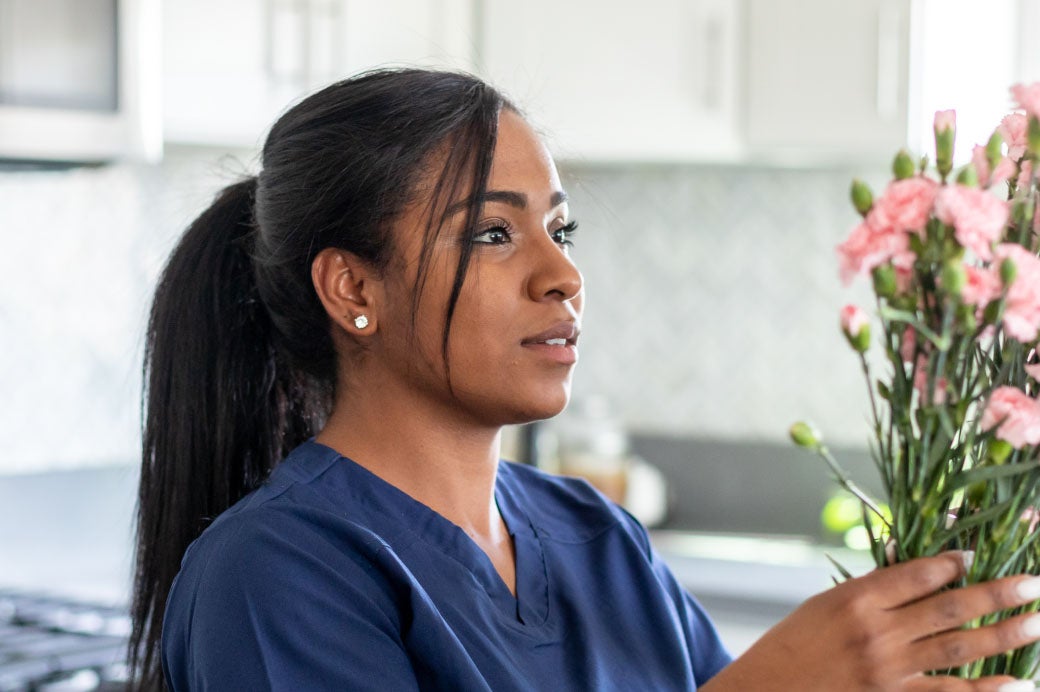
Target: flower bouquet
{"type": "Point", "coordinates": [955, 417]}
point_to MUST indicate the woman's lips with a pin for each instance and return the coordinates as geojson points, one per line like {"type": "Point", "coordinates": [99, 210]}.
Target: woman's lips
{"type": "Point", "coordinates": [565, 353]}
{"type": "Point", "coordinates": [558, 343]}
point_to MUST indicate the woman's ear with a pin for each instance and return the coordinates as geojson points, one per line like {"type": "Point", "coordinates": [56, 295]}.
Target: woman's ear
{"type": "Point", "coordinates": [349, 289]}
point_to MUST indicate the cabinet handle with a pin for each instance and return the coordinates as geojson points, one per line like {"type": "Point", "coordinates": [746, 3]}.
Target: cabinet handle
{"type": "Point", "coordinates": [888, 54]}
{"type": "Point", "coordinates": [301, 22]}
{"type": "Point", "coordinates": [710, 85]}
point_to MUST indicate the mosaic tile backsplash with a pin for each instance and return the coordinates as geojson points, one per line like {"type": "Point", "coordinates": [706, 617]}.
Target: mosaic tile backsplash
{"type": "Point", "coordinates": [712, 299]}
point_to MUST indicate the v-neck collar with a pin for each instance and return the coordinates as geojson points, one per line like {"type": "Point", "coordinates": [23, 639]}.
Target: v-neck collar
{"type": "Point", "coordinates": [418, 522]}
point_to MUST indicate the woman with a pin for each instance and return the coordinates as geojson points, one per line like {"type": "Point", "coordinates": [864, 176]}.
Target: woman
{"type": "Point", "coordinates": [346, 334]}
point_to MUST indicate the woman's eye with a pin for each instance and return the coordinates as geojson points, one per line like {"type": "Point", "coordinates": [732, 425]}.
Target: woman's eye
{"type": "Point", "coordinates": [496, 235]}
{"type": "Point", "coordinates": [562, 235]}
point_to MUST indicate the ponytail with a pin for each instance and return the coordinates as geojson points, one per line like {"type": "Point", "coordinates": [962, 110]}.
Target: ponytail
{"type": "Point", "coordinates": [221, 406]}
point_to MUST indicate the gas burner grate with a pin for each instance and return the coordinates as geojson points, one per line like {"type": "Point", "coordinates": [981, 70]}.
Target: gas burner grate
{"type": "Point", "coordinates": [53, 644]}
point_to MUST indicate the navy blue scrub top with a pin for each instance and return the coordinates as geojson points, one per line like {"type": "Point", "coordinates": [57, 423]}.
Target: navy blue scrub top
{"type": "Point", "coordinates": [329, 578]}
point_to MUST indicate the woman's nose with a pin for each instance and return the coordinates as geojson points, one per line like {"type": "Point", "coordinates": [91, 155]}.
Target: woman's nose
{"type": "Point", "coordinates": [555, 275]}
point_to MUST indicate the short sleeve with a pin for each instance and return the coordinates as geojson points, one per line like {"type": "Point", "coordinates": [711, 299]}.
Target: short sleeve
{"type": "Point", "coordinates": [271, 605]}
{"type": "Point", "coordinates": [708, 653]}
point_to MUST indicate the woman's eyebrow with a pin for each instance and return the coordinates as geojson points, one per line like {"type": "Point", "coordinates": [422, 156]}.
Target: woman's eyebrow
{"type": "Point", "coordinates": [513, 199]}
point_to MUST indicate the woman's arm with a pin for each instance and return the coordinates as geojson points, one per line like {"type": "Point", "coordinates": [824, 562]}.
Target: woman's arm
{"type": "Point", "coordinates": [882, 630]}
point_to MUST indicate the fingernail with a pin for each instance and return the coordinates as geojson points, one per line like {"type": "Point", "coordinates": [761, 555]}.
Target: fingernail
{"type": "Point", "coordinates": [1028, 589]}
{"type": "Point", "coordinates": [968, 556]}
{"type": "Point", "coordinates": [1031, 626]}
{"type": "Point", "coordinates": [1017, 686]}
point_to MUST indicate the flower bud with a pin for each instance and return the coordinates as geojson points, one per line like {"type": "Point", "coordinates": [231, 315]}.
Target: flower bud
{"type": "Point", "coordinates": [1033, 136]}
{"type": "Point", "coordinates": [994, 151]}
{"type": "Point", "coordinates": [856, 326]}
{"type": "Point", "coordinates": [805, 435]}
{"type": "Point", "coordinates": [884, 276]}
{"type": "Point", "coordinates": [953, 277]}
{"type": "Point", "coordinates": [945, 129]}
{"type": "Point", "coordinates": [944, 121]}
{"type": "Point", "coordinates": [1008, 271]}
{"type": "Point", "coordinates": [968, 177]}
{"type": "Point", "coordinates": [903, 165]}
{"type": "Point", "coordinates": [998, 451]}
{"type": "Point", "coordinates": [862, 197]}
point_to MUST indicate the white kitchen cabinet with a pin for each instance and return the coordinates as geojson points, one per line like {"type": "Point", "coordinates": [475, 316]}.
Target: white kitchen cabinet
{"type": "Point", "coordinates": [657, 80]}
{"type": "Point", "coordinates": [232, 66]}
{"type": "Point", "coordinates": [1028, 46]}
{"type": "Point", "coordinates": [826, 79]}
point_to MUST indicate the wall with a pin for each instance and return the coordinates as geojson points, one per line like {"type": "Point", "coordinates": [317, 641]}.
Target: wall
{"type": "Point", "coordinates": [80, 251]}
{"type": "Point", "coordinates": [712, 299]}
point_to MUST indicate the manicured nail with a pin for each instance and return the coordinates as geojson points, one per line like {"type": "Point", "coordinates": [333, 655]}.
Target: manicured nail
{"type": "Point", "coordinates": [1031, 626]}
{"type": "Point", "coordinates": [968, 556]}
{"type": "Point", "coordinates": [1017, 686]}
{"type": "Point", "coordinates": [1028, 589]}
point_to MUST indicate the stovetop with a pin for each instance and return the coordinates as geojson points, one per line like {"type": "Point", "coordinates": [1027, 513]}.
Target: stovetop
{"type": "Point", "coordinates": [53, 644]}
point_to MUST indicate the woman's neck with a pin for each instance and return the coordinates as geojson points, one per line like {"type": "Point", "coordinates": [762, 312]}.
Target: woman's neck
{"type": "Point", "coordinates": [441, 460]}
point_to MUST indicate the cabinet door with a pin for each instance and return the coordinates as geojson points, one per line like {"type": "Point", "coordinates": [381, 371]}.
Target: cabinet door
{"type": "Point", "coordinates": [827, 79]}
{"type": "Point", "coordinates": [232, 66]}
{"type": "Point", "coordinates": [436, 33]}
{"type": "Point", "coordinates": [620, 81]}
{"type": "Point", "coordinates": [219, 84]}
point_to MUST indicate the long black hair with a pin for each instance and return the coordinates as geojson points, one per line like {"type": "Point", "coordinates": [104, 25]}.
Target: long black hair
{"type": "Point", "coordinates": [239, 361]}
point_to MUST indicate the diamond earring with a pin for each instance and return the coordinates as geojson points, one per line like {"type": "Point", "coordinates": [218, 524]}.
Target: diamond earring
{"type": "Point", "coordinates": [360, 321]}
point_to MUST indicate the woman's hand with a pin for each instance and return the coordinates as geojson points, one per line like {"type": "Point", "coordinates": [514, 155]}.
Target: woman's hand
{"type": "Point", "coordinates": [881, 631]}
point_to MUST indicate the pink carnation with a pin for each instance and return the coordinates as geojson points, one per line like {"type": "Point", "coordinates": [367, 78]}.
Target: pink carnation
{"type": "Point", "coordinates": [1014, 129]}
{"type": "Point", "coordinates": [903, 264]}
{"type": "Point", "coordinates": [1004, 171]}
{"type": "Point", "coordinates": [980, 286]}
{"type": "Point", "coordinates": [905, 205]}
{"type": "Point", "coordinates": [945, 120]}
{"type": "Point", "coordinates": [1033, 370]}
{"type": "Point", "coordinates": [978, 218]}
{"type": "Point", "coordinates": [1027, 96]}
{"type": "Point", "coordinates": [866, 248]}
{"type": "Point", "coordinates": [1022, 311]}
{"type": "Point", "coordinates": [1017, 415]}
{"type": "Point", "coordinates": [853, 320]}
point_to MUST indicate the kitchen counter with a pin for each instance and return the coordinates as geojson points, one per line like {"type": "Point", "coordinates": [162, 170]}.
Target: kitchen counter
{"type": "Point", "coordinates": [749, 583]}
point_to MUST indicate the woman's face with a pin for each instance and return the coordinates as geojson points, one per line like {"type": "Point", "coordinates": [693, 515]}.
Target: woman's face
{"type": "Point", "coordinates": [514, 334]}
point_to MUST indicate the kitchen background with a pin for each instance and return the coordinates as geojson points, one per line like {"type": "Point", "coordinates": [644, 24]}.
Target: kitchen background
{"type": "Point", "coordinates": [707, 146]}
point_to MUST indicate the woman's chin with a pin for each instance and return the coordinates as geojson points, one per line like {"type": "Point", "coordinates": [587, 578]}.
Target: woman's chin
{"type": "Point", "coordinates": [544, 407]}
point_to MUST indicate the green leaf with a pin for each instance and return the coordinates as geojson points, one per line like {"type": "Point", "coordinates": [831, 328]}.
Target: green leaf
{"type": "Point", "coordinates": [838, 566]}
{"type": "Point", "coordinates": [971, 521]}
{"type": "Point", "coordinates": [986, 473]}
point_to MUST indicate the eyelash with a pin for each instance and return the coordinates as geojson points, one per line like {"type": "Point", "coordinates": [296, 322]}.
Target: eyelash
{"type": "Point", "coordinates": [567, 230]}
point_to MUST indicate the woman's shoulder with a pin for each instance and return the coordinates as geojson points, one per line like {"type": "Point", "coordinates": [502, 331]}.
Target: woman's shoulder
{"type": "Point", "coordinates": [566, 508]}
{"type": "Point", "coordinates": [300, 523]}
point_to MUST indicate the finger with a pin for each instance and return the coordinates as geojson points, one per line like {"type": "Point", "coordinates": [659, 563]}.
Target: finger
{"type": "Point", "coordinates": [961, 646]}
{"type": "Point", "coordinates": [909, 581]}
{"type": "Point", "coordinates": [951, 609]}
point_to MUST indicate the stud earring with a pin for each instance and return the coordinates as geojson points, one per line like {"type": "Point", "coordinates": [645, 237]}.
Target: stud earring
{"type": "Point", "coordinates": [360, 321]}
